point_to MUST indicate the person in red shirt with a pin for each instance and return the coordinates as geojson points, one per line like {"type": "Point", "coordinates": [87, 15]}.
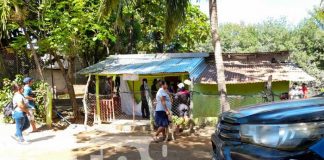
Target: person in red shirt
{"type": "Point", "coordinates": [304, 90]}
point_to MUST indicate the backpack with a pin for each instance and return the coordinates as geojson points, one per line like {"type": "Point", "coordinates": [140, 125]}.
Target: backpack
{"type": "Point", "coordinates": [8, 109]}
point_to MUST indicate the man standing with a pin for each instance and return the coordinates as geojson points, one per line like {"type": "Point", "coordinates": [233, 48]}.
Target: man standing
{"type": "Point", "coordinates": [145, 107]}
{"type": "Point", "coordinates": [295, 92]}
{"type": "Point", "coordinates": [154, 89]}
{"type": "Point", "coordinates": [28, 94]}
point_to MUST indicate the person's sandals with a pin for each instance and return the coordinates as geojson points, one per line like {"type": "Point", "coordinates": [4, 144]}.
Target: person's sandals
{"type": "Point", "coordinates": [24, 142]}
{"type": "Point", "coordinates": [15, 138]}
{"type": "Point", "coordinates": [156, 139]}
{"type": "Point", "coordinates": [20, 141]}
{"type": "Point", "coordinates": [34, 131]}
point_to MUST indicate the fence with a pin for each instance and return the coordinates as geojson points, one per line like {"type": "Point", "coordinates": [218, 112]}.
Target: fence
{"type": "Point", "coordinates": [128, 105]}
{"type": "Point", "coordinates": [208, 105]}
{"type": "Point", "coordinates": [18, 64]}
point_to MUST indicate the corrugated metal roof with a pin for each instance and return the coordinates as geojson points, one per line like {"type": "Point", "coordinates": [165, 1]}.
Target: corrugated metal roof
{"type": "Point", "coordinates": [252, 73]}
{"type": "Point", "coordinates": [145, 65]}
{"type": "Point", "coordinates": [200, 66]}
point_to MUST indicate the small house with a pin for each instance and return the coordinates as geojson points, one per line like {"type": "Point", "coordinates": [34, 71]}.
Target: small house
{"type": "Point", "coordinates": [246, 75]}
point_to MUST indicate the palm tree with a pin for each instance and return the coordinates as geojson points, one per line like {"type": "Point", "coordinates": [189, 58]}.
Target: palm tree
{"type": "Point", "coordinates": [175, 14]}
{"type": "Point", "coordinates": [218, 56]}
{"type": "Point", "coordinates": [14, 10]}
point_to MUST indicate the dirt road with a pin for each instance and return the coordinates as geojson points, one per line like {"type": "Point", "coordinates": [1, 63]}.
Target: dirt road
{"type": "Point", "coordinates": [71, 144]}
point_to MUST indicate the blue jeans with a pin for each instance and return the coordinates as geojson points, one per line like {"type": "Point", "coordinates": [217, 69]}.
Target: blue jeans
{"type": "Point", "coordinates": [22, 123]}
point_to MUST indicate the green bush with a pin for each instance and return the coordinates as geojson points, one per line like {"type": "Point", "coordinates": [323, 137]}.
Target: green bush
{"type": "Point", "coordinates": [41, 92]}
{"type": "Point", "coordinates": [5, 96]}
{"type": "Point", "coordinates": [40, 87]}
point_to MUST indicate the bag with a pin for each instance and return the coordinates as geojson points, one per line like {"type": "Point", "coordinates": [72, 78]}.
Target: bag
{"type": "Point", "coordinates": [8, 109]}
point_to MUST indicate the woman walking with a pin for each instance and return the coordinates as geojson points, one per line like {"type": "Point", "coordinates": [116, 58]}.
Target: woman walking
{"type": "Point", "coordinates": [20, 113]}
{"type": "Point", "coordinates": [162, 111]}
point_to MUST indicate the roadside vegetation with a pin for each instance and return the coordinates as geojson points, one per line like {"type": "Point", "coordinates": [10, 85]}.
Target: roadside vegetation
{"type": "Point", "coordinates": [305, 41]}
{"type": "Point", "coordinates": [90, 30]}
{"type": "Point", "coordinates": [6, 96]}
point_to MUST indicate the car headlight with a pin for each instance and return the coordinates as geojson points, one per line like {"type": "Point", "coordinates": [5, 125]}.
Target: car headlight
{"type": "Point", "coordinates": [282, 136]}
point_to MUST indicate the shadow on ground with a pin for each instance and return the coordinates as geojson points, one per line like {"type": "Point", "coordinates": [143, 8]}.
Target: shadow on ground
{"type": "Point", "coordinates": [41, 139]}
{"type": "Point", "coordinates": [114, 147]}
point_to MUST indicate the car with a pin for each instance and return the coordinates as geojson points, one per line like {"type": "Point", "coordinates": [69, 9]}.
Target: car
{"type": "Point", "coordinates": [279, 130]}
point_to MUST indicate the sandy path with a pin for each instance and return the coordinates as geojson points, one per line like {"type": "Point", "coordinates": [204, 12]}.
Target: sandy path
{"type": "Point", "coordinates": [69, 144]}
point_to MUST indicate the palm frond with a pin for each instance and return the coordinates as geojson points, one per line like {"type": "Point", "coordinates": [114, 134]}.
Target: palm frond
{"type": "Point", "coordinates": [175, 15]}
{"type": "Point", "coordinates": [120, 22]}
{"type": "Point", "coordinates": [4, 15]}
{"type": "Point", "coordinates": [107, 6]}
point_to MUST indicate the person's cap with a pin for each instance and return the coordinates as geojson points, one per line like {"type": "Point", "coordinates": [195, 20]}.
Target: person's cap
{"type": "Point", "coordinates": [181, 85]}
{"type": "Point", "coordinates": [187, 82]}
{"type": "Point", "coordinates": [27, 80]}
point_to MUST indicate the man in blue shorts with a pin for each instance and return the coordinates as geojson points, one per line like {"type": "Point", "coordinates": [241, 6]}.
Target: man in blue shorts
{"type": "Point", "coordinates": [28, 94]}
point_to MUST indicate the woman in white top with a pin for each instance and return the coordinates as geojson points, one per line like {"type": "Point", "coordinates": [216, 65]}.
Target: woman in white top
{"type": "Point", "coordinates": [162, 110]}
{"type": "Point", "coordinates": [20, 113]}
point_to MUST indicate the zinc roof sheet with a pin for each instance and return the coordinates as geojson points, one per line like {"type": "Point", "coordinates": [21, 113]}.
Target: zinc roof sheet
{"type": "Point", "coordinates": [150, 65]}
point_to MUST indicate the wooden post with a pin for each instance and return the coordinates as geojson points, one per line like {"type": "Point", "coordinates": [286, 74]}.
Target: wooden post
{"type": "Point", "coordinates": [269, 89]}
{"type": "Point", "coordinates": [150, 104]}
{"type": "Point", "coordinates": [191, 97]}
{"type": "Point", "coordinates": [134, 101]}
{"type": "Point", "coordinates": [98, 100]}
{"type": "Point", "coordinates": [85, 104]}
{"type": "Point", "coordinates": [49, 108]}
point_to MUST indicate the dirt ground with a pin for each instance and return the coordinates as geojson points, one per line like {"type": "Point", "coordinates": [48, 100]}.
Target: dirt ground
{"type": "Point", "coordinates": [75, 143]}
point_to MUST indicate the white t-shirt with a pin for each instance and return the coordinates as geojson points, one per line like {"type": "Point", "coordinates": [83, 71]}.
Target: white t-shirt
{"type": "Point", "coordinates": [17, 98]}
{"type": "Point", "coordinates": [295, 93]}
{"type": "Point", "coordinates": [162, 93]}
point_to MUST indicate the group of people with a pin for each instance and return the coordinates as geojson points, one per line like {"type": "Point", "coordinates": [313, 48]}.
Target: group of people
{"type": "Point", "coordinates": [298, 92]}
{"type": "Point", "coordinates": [164, 101]}
{"type": "Point", "coordinates": [24, 107]}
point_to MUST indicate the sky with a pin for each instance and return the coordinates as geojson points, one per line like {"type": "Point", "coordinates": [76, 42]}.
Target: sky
{"type": "Point", "coordinates": [256, 11]}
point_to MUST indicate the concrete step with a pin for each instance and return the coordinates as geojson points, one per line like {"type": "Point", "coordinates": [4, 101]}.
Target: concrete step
{"type": "Point", "coordinates": [125, 126]}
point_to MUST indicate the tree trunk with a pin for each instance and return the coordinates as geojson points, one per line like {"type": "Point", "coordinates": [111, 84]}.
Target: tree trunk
{"type": "Point", "coordinates": [159, 42]}
{"type": "Point", "coordinates": [69, 85]}
{"type": "Point", "coordinates": [130, 42]}
{"type": "Point", "coordinates": [33, 51]}
{"type": "Point", "coordinates": [85, 103]}
{"type": "Point", "coordinates": [3, 69]}
{"type": "Point", "coordinates": [218, 56]}
{"type": "Point", "coordinates": [71, 69]}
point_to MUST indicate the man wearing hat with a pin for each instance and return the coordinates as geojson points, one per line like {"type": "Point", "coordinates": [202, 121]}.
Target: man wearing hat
{"type": "Point", "coordinates": [28, 93]}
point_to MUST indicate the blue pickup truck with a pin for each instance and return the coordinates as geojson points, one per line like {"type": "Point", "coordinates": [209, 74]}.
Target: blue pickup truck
{"type": "Point", "coordinates": [278, 131]}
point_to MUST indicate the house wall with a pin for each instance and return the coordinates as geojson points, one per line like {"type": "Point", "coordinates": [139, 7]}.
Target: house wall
{"type": "Point", "coordinates": [58, 79]}
{"type": "Point", "coordinates": [150, 79]}
{"type": "Point", "coordinates": [206, 102]}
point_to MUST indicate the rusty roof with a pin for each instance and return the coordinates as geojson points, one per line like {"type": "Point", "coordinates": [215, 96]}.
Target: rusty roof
{"type": "Point", "coordinates": [254, 72]}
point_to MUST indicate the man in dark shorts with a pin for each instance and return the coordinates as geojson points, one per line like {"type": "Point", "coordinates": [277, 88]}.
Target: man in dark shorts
{"type": "Point", "coordinates": [145, 107]}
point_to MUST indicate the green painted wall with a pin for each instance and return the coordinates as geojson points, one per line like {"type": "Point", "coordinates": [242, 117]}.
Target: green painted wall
{"type": "Point", "coordinates": [150, 79]}
{"type": "Point", "coordinates": [137, 85]}
{"type": "Point", "coordinates": [206, 103]}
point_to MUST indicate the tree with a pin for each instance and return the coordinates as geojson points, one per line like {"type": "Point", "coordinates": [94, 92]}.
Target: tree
{"type": "Point", "coordinates": [174, 14]}
{"type": "Point", "coordinates": [218, 56]}
{"type": "Point", "coordinates": [19, 12]}
{"type": "Point", "coordinates": [68, 26]}
{"type": "Point", "coordinates": [193, 30]}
